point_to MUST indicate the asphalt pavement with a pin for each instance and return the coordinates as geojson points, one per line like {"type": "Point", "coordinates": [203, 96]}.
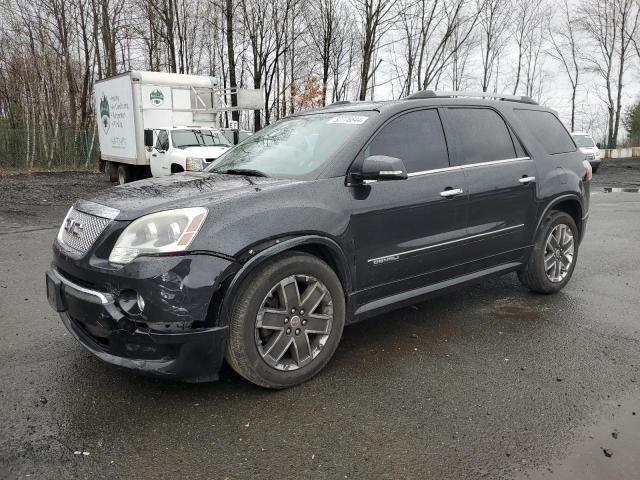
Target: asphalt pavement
{"type": "Point", "coordinates": [488, 382]}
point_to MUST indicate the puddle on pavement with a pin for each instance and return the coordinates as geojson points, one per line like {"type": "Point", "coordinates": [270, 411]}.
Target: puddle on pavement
{"type": "Point", "coordinates": [606, 450]}
{"type": "Point", "coordinates": [507, 308]}
{"type": "Point", "coordinates": [621, 190]}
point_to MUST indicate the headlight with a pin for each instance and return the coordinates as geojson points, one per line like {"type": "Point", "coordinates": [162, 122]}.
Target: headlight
{"type": "Point", "coordinates": [195, 164]}
{"type": "Point", "coordinates": [162, 232]}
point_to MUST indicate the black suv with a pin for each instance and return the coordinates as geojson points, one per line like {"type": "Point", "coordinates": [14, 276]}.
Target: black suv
{"type": "Point", "coordinates": [317, 221]}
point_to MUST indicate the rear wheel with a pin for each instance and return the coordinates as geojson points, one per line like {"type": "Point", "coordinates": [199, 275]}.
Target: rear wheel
{"type": "Point", "coordinates": [112, 171]}
{"type": "Point", "coordinates": [125, 175]}
{"type": "Point", "coordinates": [554, 254]}
{"type": "Point", "coordinates": [286, 322]}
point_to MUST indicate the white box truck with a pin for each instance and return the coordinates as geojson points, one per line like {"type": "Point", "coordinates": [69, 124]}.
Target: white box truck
{"type": "Point", "coordinates": [154, 123]}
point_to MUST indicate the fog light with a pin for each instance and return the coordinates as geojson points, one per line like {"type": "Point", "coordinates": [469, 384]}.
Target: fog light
{"type": "Point", "coordinates": [140, 302]}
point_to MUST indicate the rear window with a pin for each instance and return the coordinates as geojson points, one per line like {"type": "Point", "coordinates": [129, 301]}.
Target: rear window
{"type": "Point", "coordinates": [549, 131]}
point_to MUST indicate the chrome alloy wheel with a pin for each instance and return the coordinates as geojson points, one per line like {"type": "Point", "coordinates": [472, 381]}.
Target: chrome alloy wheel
{"type": "Point", "coordinates": [294, 322]}
{"type": "Point", "coordinates": [558, 253]}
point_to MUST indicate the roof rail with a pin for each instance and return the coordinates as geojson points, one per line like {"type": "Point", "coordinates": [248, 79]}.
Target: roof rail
{"type": "Point", "coordinates": [339, 102]}
{"type": "Point", "coordinates": [452, 94]}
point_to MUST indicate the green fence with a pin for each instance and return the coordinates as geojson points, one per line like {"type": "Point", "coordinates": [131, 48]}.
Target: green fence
{"type": "Point", "coordinates": [39, 149]}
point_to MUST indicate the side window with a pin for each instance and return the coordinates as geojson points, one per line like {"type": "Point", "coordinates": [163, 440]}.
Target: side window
{"type": "Point", "coordinates": [482, 135]}
{"type": "Point", "coordinates": [549, 131]}
{"type": "Point", "coordinates": [417, 138]}
{"type": "Point", "coordinates": [162, 142]}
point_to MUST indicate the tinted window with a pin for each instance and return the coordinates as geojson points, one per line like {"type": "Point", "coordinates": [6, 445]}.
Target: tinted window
{"type": "Point", "coordinates": [546, 127]}
{"type": "Point", "coordinates": [482, 135]}
{"type": "Point", "coordinates": [416, 138]}
{"type": "Point", "coordinates": [162, 142]}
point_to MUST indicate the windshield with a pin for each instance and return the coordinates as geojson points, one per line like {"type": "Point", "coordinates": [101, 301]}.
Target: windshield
{"type": "Point", "coordinates": [198, 138]}
{"type": "Point", "coordinates": [294, 147]}
{"type": "Point", "coordinates": [584, 141]}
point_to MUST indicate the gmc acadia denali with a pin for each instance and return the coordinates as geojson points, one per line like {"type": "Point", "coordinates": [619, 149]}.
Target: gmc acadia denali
{"type": "Point", "coordinates": [319, 220]}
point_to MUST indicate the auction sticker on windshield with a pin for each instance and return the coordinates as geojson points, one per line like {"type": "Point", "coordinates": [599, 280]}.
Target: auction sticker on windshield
{"type": "Point", "coordinates": [349, 119]}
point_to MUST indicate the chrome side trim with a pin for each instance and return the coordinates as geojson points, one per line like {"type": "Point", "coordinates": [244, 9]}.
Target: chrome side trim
{"type": "Point", "coordinates": [103, 297]}
{"type": "Point", "coordinates": [396, 256]}
{"type": "Point", "coordinates": [463, 167]}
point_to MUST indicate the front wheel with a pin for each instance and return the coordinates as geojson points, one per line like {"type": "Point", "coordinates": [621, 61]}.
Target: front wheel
{"type": "Point", "coordinates": [554, 254]}
{"type": "Point", "coordinates": [287, 321]}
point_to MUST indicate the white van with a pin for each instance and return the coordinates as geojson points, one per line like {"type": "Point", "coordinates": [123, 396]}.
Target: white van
{"type": "Point", "coordinates": [588, 147]}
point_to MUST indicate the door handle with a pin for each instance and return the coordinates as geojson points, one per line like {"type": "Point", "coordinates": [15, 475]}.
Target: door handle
{"type": "Point", "coordinates": [450, 192]}
{"type": "Point", "coordinates": [527, 180]}
{"type": "Point", "coordinates": [154, 155]}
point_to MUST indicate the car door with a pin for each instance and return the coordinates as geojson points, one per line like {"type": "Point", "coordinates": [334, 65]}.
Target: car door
{"type": "Point", "coordinates": [159, 155]}
{"type": "Point", "coordinates": [501, 182]}
{"type": "Point", "coordinates": [406, 232]}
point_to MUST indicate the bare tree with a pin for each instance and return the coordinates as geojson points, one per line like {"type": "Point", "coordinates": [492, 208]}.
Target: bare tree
{"type": "Point", "coordinates": [529, 20]}
{"type": "Point", "coordinates": [322, 20]}
{"type": "Point", "coordinates": [375, 18]}
{"type": "Point", "coordinates": [494, 18]}
{"type": "Point", "coordinates": [611, 25]}
{"type": "Point", "coordinates": [566, 49]}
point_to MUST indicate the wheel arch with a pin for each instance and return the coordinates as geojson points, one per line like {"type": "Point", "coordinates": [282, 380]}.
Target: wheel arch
{"type": "Point", "coordinates": [570, 204]}
{"type": "Point", "coordinates": [319, 246]}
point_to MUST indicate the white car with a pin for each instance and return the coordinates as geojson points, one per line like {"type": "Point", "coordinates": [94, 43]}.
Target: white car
{"type": "Point", "coordinates": [179, 149]}
{"type": "Point", "coordinates": [588, 147]}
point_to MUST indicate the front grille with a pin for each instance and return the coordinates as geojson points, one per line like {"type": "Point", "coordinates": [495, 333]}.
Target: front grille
{"type": "Point", "coordinates": [589, 156]}
{"type": "Point", "coordinates": [80, 230]}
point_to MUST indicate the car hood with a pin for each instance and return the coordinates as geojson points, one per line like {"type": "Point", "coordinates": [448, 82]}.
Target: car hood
{"type": "Point", "coordinates": [189, 189]}
{"type": "Point", "coordinates": [204, 152]}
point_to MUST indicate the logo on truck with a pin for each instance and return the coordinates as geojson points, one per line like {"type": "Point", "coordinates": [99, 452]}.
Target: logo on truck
{"type": "Point", "coordinates": [156, 97]}
{"type": "Point", "coordinates": [104, 113]}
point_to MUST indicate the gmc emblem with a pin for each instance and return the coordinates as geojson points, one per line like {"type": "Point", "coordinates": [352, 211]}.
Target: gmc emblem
{"type": "Point", "coordinates": [73, 227]}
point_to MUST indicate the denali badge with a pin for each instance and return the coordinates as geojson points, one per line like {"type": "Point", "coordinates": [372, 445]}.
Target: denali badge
{"type": "Point", "coordinates": [390, 258]}
{"type": "Point", "coordinates": [73, 227]}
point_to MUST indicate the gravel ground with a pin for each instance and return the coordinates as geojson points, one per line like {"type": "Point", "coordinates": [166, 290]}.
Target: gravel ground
{"type": "Point", "coordinates": [40, 200]}
{"type": "Point", "coordinates": [618, 172]}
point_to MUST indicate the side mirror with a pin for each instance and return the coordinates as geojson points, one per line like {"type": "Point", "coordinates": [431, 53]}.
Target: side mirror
{"type": "Point", "coordinates": [148, 138]}
{"type": "Point", "coordinates": [381, 167]}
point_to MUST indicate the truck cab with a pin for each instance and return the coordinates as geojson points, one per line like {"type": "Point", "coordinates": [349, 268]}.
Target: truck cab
{"type": "Point", "coordinates": [187, 148]}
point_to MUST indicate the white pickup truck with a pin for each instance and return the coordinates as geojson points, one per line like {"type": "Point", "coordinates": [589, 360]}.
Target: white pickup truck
{"type": "Point", "coordinates": [177, 149]}
{"type": "Point", "coordinates": [137, 117]}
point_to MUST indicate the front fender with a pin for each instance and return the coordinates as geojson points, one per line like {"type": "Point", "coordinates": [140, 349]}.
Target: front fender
{"type": "Point", "coordinates": [259, 254]}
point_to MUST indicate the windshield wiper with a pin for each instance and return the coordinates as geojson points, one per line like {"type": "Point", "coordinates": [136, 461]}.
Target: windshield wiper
{"type": "Point", "coordinates": [243, 171]}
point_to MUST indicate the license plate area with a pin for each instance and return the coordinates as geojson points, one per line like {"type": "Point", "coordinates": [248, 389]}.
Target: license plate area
{"type": "Point", "coordinates": [54, 292]}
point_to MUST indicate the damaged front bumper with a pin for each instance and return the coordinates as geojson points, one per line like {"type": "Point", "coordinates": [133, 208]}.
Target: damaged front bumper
{"type": "Point", "coordinates": [158, 315]}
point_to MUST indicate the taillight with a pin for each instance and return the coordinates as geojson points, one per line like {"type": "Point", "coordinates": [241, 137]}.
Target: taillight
{"type": "Point", "coordinates": [588, 172]}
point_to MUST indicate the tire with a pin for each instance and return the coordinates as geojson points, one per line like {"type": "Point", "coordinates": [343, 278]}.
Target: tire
{"type": "Point", "coordinates": [595, 168]}
{"type": "Point", "coordinates": [112, 171]}
{"type": "Point", "coordinates": [256, 336]}
{"type": "Point", "coordinates": [544, 280]}
{"type": "Point", "coordinates": [125, 175]}
{"type": "Point", "coordinates": [175, 168]}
